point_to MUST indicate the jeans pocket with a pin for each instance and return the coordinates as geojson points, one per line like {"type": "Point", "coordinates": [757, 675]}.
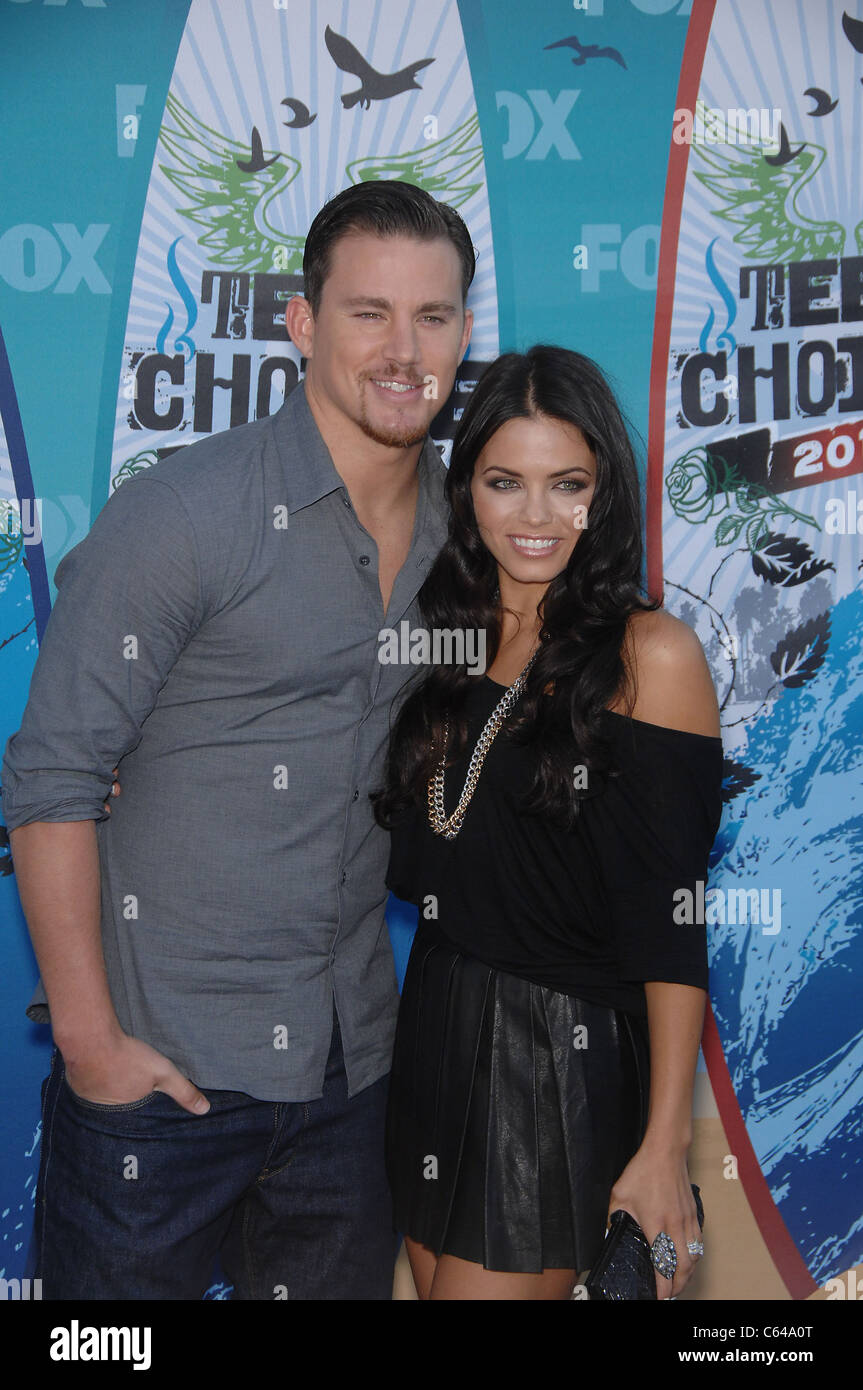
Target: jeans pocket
{"type": "Point", "coordinates": [108, 1109]}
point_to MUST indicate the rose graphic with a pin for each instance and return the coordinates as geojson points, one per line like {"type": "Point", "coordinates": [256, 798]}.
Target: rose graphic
{"type": "Point", "coordinates": [700, 487]}
{"type": "Point", "coordinates": [692, 487]}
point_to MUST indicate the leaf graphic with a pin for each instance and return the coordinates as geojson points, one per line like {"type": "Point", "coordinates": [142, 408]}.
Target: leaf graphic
{"type": "Point", "coordinates": [809, 572]}
{"type": "Point", "coordinates": [736, 777]}
{"type": "Point", "coordinates": [786, 560]}
{"type": "Point", "coordinates": [11, 537]}
{"type": "Point", "coordinates": [799, 655]}
{"type": "Point", "coordinates": [728, 529]}
{"type": "Point", "coordinates": [145, 459]}
{"type": "Point", "coordinates": [756, 529]}
{"type": "Point", "coordinates": [746, 500]}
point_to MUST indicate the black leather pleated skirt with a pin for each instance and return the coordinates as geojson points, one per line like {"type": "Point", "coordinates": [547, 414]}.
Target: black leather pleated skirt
{"type": "Point", "coordinates": [512, 1111]}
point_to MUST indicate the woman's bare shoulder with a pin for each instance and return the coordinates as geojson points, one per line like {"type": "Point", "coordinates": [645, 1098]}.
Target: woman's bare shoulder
{"type": "Point", "coordinates": [674, 687]}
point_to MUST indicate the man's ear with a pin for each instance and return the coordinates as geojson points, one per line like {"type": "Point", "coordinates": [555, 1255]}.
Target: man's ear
{"type": "Point", "coordinates": [300, 323]}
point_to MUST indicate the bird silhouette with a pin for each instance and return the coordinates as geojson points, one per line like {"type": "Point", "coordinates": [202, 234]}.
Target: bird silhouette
{"type": "Point", "coordinates": [785, 151]}
{"type": "Point", "coordinates": [376, 86]}
{"type": "Point", "coordinates": [823, 104]}
{"type": "Point", "coordinates": [300, 112]}
{"type": "Point", "coordinates": [590, 50]}
{"type": "Point", "coordinates": [853, 32]}
{"type": "Point", "coordinates": [257, 161]}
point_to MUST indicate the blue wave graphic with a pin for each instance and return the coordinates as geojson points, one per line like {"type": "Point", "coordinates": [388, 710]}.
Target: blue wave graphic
{"type": "Point", "coordinates": [165, 329]}
{"type": "Point", "coordinates": [187, 297]}
{"type": "Point", "coordinates": [725, 338]}
{"type": "Point", "coordinates": [182, 340]}
{"type": "Point", "coordinates": [788, 1005]}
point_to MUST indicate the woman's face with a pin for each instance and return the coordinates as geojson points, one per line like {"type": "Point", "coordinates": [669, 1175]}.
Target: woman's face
{"type": "Point", "coordinates": [532, 486]}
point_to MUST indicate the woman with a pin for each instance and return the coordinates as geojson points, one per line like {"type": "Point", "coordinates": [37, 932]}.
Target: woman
{"type": "Point", "coordinates": [543, 817]}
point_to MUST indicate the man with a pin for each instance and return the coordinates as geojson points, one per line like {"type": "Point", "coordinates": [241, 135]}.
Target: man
{"type": "Point", "coordinates": [224, 1021]}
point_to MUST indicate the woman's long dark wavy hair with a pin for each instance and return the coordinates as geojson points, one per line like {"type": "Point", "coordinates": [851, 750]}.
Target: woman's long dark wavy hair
{"type": "Point", "coordinates": [581, 666]}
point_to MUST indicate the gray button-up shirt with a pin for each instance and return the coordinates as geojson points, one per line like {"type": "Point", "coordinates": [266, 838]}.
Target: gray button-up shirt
{"type": "Point", "coordinates": [216, 634]}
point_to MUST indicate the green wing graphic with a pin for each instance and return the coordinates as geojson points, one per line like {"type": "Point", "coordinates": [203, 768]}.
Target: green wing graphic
{"type": "Point", "coordinates": [761, 199]}
{"type": "Point", "coordinates": [442, 167]}
{"type": "Point", "coordinates": [229, 204]}
{"type": "Point", "coordinates": [232, 205]}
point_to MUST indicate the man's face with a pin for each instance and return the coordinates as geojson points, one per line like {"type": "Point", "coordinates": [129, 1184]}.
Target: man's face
{"type": "Point", "coordinates": [390, 331]}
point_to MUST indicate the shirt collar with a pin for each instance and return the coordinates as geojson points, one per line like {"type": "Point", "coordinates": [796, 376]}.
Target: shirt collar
{"type": "Point", "coordinates": [308, 469]}
{"type": "Point", "coordinates": [310, 473]}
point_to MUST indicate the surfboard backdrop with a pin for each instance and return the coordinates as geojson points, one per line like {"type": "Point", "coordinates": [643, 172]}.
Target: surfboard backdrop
{"type": "Point", "coordinates": [673, 187]}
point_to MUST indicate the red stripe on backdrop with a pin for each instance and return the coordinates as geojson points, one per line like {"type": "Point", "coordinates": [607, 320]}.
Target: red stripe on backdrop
{"type": "Point", "coordinates": [687, 94]}
{"type": "Point", "coordinates": [784, 1253]}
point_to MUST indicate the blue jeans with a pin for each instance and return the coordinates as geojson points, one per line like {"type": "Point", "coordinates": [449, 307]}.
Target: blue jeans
{"type": "Point", "coordinates": [136, 1201]}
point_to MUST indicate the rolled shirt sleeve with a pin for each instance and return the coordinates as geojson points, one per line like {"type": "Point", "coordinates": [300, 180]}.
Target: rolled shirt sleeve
{"type": "Point", "coordinates": [129, 597]}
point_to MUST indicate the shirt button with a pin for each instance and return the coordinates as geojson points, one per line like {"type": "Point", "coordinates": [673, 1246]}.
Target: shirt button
{"type": "Point", "coordinates": [344, 878]}
{"type": "Point", "coordinates": [365, 559]}
{"type": "Point", "coordinates": [356, 793]}
{"type": "Point", "coordinates": [347, 501]}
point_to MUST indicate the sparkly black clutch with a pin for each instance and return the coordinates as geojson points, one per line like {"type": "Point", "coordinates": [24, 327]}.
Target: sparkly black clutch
{"type": "Point", "coordinates": [624, 1269]}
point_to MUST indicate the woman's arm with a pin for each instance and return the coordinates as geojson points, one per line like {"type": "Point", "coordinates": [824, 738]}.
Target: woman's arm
{"type": "Point", "coordinates": [673, 688]}
{"type": "Point", "coordinates": [675, 1017]}
{"type": "Point", "coordinates": [654, 1187]}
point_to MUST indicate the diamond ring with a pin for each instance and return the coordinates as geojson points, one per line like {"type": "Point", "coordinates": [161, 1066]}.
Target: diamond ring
{"type": "Point", "coordinates": [664, 1255]}
{"type": "Point", "coordinates": [695, 1248]}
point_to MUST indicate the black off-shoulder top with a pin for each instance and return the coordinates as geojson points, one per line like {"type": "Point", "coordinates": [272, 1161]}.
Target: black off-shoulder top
{"type": "Point", "coordinates": [589, 911]}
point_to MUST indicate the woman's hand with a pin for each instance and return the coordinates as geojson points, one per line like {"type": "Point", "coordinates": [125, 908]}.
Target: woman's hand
{"type": "Point", "coordinates": [115, 791]}
{"type": "Point", "coordinates": [654, 1188]}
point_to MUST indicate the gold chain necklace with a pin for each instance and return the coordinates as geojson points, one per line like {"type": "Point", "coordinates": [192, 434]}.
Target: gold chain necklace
{"type": "Point", "coordinates": [449, 826]}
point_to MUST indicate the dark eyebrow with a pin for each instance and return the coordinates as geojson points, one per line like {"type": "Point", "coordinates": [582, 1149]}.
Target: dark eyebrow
{"type": "Point", "coordinates": [437, 306]}
{"type": "Point", "coordinates": [561, 473]}
{"type": "Point", "coordinates": [368, 299]}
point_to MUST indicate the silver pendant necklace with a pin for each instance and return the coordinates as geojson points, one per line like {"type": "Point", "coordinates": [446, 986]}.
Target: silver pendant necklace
{"type": "Point", "coordinates": [449, 826]}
